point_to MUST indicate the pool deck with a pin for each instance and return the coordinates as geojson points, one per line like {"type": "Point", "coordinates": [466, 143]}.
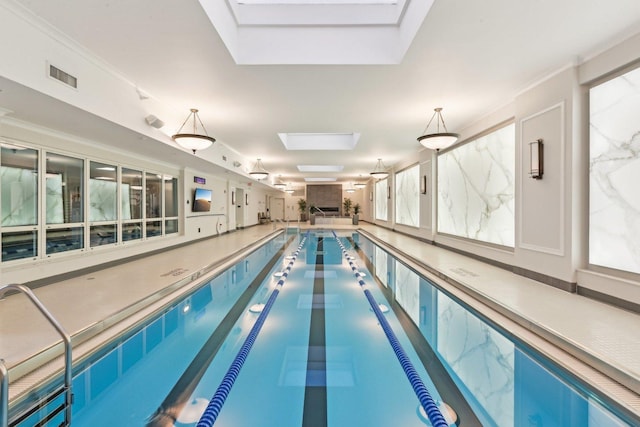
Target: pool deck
{"type": "Point", "coordinates": [602, 336]}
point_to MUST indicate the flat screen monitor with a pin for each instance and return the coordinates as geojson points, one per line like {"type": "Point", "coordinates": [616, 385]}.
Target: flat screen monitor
{"type": "Point", "coordinates": [201, 200]}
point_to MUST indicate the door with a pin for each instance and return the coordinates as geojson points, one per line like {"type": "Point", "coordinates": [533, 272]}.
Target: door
{"type": "Point", "coordinates": [239, 208]}
{"type": "Point", "coordinates": [277, 208]}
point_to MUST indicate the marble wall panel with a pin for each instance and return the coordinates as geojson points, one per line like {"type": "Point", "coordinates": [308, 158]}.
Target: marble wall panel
{"type": "Point", "coordinates": [102, 200]}
{"type": "Point", "coordinates": [476, 189]}
{"type": "Point", "coordinates": [408, 196]}
{"type": "Point", "coordinates": [19, 196]}
{"type": "Point", "coordinates": [382, 199]}
{"type": "Point", "coordinates": [614, 173]}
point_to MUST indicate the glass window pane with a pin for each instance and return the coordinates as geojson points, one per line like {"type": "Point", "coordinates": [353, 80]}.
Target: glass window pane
{"type": "Point", "coordinates": [153, 184]}
{"type": "Point", "coordinates": [131, 231]}
{"type": "Point", "coordinates": [154, 228]}
{"type": "Point", "coordinates": [65, 178]}
{"type": "Point", "coordinates": [170, 196]}
{"type": "Point", "coordinates": [131, 189]}
{"type": "Point", "coordinates": [408, 196]}
{"type": "Point", "coordinates": [103, 234]}
{"type": "Point", "coordinates": [170, 226]}
{"type": "Point", "coordinates": [19, 180]}
{"type": "Point", "coordinates": [65, 239]}
{"type": "Point", "coordinates": [476, 190]}
{"type": "Point", "coordinates": [102, 192]}
{"type": "Point", "coordinates": [19, 245]}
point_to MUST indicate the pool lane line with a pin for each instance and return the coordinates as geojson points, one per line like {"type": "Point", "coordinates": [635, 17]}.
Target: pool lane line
{"type": "Point", "coordinates": [216, 403]}
{"type": "Point", "coordinates": [447, 388]}
{"type": "Point", "coordinates": [314, 412]}
{"type": "Point", "coordinates": [180, 394]}
{"type": "Point", "coordinates": [431, 408]}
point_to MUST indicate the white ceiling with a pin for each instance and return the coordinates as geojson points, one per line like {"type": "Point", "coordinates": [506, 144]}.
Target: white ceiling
{"type": "Point", "coordinates": [470, 57]}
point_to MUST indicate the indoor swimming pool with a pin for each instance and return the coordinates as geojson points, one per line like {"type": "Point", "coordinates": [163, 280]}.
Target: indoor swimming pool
{"type": "Point", "coordinates": [322, 357]}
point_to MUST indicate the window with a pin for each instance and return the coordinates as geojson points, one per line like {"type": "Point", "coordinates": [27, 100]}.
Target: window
{"type": "Point", "coordinates": [614, 171]}
{"type": "Point", "coordinates": [64, 203]}
{"type": "Point", "coordinates": [170, 205]}
{"type": "Point", "coordinates": [153, 194]}
{"type": "Point", "coordinates": [103, 204]}
{"type": "Point", "coordinates": [53, 203]}
{"type": "Point", "coordinates": [382, 193]}
{"type": "Point", "coordinates": [131, 206]}
{"type": "Point", "coordinates": [408, 196]}
{"type": "Point", "coordinates": [476, 189]}
{"type": "Point", "coordinates": [19, 172]}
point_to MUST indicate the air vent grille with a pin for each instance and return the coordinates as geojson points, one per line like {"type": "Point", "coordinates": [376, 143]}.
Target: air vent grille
{"type": "Point", "coordinates": [65, 78]}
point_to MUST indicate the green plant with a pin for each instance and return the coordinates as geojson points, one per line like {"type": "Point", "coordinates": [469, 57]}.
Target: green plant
{"type": "Point", "coordinates": [356, 209]}
{"type": "Point", "coordinates": [312, 209]}
{"type": "Point", "coordinates": [347, 206]}
{"type": "Point", "coordinates": [302, 205]}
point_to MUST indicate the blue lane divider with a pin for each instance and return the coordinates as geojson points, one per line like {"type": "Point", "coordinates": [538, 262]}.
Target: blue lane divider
{"type": "Point", "coordinates": [210, 414]}
{"type": "Point", "coordinates": [431, 408]}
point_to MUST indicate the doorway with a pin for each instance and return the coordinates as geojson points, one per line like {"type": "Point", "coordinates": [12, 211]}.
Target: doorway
{"type": "Point", "coordinates": [277, 208]}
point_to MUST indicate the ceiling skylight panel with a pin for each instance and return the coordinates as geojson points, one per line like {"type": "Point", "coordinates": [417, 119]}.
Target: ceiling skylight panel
{"type": "Point", "coordinates": [314, 2]}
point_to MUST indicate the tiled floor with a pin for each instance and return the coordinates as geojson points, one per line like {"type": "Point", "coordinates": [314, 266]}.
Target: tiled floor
{"type": "Point", "coordinates": [605, 337]}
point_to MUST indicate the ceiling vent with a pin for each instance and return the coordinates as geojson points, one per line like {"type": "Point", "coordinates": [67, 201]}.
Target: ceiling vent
{"type": "Point", "coordinates": [65, 78]}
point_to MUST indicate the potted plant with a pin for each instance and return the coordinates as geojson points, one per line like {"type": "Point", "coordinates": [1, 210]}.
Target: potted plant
{"type": "Point", "coordinates": [346, 205]}
{"type": "Point", "coordinates": [356, 211]}
{"type": "Point", "coordinates": [312, 215]}
{"type": "Point", "coordinates": [302, 208]}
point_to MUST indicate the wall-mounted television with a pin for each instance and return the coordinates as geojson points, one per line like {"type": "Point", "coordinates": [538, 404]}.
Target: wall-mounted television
{"type": "Point", "coordinates": [201, 200]}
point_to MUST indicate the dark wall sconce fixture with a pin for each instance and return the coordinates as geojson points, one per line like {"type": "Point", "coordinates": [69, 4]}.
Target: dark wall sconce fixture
{"type": "Point", "coordinates": [423, 185]}
{"type": "Point", "coordinates": [536, 150]}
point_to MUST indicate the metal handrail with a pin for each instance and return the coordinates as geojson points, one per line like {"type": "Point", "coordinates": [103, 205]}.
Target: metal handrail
{"type": "Point", "coordinates": [4, 390]}
{"type": "Point", "coordinates": [321, 211]}
{"type": "Point", "coordinates": [4, 375]}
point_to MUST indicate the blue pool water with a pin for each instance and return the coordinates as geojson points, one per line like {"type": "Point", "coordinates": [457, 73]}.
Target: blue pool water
{"type": "Point", "coordinates": [321, 358]}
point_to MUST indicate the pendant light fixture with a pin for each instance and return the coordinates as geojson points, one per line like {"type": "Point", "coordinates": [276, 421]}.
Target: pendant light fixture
{"type": "Point", "coordinates": [350, 189]}
{"type": "Point", "coordinates": [258, 171]}
{"type": "Point", "coordinates": [360, 185]}
{"type": "Point", "coordinates": [380, 172]}
{"type": "Point", "coordinates": [438, 140]}
{"type": "Point", "coordinates": [279, 184]}
{"type": "Point", "coordinates": [193, 141]}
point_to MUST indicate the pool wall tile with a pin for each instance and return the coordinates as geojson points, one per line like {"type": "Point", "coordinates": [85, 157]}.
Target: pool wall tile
{"type": "Point", "coordinates": [132, 351]}
{"type": "Point", "coordinates": [103, 374]}
{"type": "Point", "coordinates": [170, 321]}
{"type": "Point", "coordinates": [153, 334]}
{"type": "Point", "coordinates": [79, 385]}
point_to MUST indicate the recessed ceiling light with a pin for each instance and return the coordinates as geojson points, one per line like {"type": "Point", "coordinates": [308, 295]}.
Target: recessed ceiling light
{"type": "Point", "coordinates": [320, 179]}
{"type": "Point", "coordinates": [320, 168]}
{"type": "Point", "coordinates": [319, 141]}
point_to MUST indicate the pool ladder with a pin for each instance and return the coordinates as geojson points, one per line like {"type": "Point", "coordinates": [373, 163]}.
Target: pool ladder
{"type": "Point", "coordinates": [66, 389]}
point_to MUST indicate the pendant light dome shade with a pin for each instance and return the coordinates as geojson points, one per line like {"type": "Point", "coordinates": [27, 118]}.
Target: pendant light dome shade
{"type": "Point", "coordinates": [379, 172]}
{"type": "Point", "coordinates": [193, 141]}
{"type": "Point", "coordinates": [438, 140]}
{"type": "Point", "coordinates": [258, 171]}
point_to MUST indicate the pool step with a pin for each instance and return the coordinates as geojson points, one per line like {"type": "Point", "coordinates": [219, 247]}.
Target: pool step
{"type": "Point", "coordinates": [48, 411]}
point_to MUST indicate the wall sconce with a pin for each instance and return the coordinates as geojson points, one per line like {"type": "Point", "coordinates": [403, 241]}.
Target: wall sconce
{"type": "Point", "coordinates": [536, 155]}
{"type": "Point", "coordinates": [423, 185]}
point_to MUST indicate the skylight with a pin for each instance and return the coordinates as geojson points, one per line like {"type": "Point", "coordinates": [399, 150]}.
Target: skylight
{"type": "Point", "coordinates": [317, 31]}
{"type": "Point", "coordinates": [317, 1]}
{"type": "Point", "coordinates": [320, 168]}
{"type": "Point", "coordinates": [317, 179]}
{"type": "Point", "coordinates": [319, 141]}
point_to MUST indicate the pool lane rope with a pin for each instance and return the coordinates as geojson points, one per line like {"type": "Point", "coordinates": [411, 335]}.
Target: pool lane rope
{"type": "Point", "coordinates": [210, 414]}
{"type": "Point", "coordinates": [431, 408]}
